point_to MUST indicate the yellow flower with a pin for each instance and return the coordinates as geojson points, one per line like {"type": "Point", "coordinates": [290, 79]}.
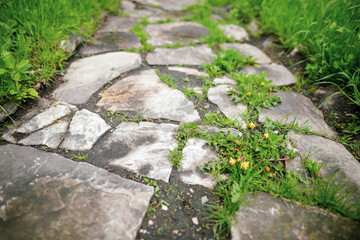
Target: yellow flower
{"type": "Point", "coordinates": [262, 84]}
{"type": "Point", "coordinates": [267, 169]}
{"type": "Point", "coordinates": [251, 125]}
{"type": "Point", "coordinates": [232, 161]}
{"type": "Point", "coordinates": [244, 165]}
{"type": "Point", "coordinates": [266, 135]}
{"type": "Point", "coordinates": [248, 94]}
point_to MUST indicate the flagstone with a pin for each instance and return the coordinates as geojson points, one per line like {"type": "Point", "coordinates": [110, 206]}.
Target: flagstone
{"type": "Point", "coordinates": [280, 75]}
{"type": "Point", "coordinates": [117, 24]}
{"type": "Point", "coordinates": [218, 96]}
{"type": "Point", "coordinates": [87, 75]}
{"type": "Point", "coordinates": [175, 32]}
{"type": "Point", "coordinates": [181, 56]}
{"type": "Point", "coordinates": [246, 50]}
{"type": "Point", "coordinates": [234, 31]}
{"type": "Point", "coordinates": [224, 80]}
{"type": "Point", "coordinates": [169, 5]}
{"type": "Point", "coordinates": [85, 129]}
{"type": "Point", "coordinates": [189, 71]}
{"type": "Point", "coordinates": [46, 196]}
{"type": "Point", "coordinates": [297, 107]}
{"type": "Point", "coordinates": [144, 92]}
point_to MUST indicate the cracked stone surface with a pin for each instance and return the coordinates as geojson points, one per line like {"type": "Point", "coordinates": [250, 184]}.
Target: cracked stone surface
{"type": "Point", "coordinates": [248, 50]}
{"type": "Point", "coordinates": [46, 196]}
{"type": "Point", "coordinates": [146, 148]}
{"type": "Point", "coordinates": [144, 92]}
{"type": "Point", "coordinates": [189, 71]}
{"type": "Point", "coordinates": [85, 129]}
{"type": "Point", "coordinates": [175, 32]}
{"type": "Point", "coordinates": [224, 80]}
{"type": "Point", "coordinates": [50, 136]}
{"type": "Point", "coordinates": [299, 107]}
{"type": "Point", "coordinates": [280, 75]}
{"type": "Point", "coordinates": [44, 119]}
{"type": "Point", "coordinates": [169, 5]}
{"type": "Point", "coordinates": [333, 154]}
{"type": "Point", "coordinates": [86, 76]}
{"type": "Point", "coordinates": [234, 31]}
{"type": "Point", "coordinates": [184, 55]}
{"type": "Point", "coordinates": [197, 153]}
{"type": "Point", "coordinates": [217, 95]}
{"type": "Point", "coordinates": [266, 217]}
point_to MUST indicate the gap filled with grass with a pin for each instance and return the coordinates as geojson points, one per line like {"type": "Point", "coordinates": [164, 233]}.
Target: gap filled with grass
{"type": "Point", "coordinates": [30, 36]}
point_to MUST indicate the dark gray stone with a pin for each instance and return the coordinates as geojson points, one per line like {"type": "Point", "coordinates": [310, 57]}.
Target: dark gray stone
{"type": "Point", "coordinates": [265, 217]}
{"type": "Point", "coordinates": [248, 50]}
{"type": "Point", "coordinates": [300, 107]}
{"type": "Point", "coordinates": [46, 196]}
{"type": "Point", "coordinates": [117, 24]}
{"type": "Point", "coordinates": [9, 107]}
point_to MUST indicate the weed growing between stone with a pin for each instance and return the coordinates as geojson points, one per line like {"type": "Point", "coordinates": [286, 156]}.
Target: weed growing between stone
{"type": "Point", "coordinates": [138, 30]}
{"type": "Point", "coordinates": [167, 79]}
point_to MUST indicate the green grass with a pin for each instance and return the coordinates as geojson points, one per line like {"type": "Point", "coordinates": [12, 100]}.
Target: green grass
{"type": "Point", "coordinates": [30, 33]}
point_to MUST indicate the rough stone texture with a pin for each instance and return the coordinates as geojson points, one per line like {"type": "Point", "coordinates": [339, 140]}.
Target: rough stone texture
{"type": "Point", "coordinates": [117, 24]}
{"type": "Point", "coordinates": [44, 119]}
{"type": "Point", "coordinates": [333, 154]}
{"type": "Point", "coordinates": [10, 108]}
{"type": "Point", "coordinates": [224, 80]}
{"type": "Point", "coordinates": [169, 5]}
{"type": "Point", "coordinates": [198, 90]}
{"type": "Point", "coordinates": [127, 6]}
{"type": "Point", "coordinates": [215, 130]}
{"type": "Point", "coordinates": [299, 107]}
{"type": "Point", "coordinates": [197, 153]}
{"type": "Point", "coordinates": [85, 129]}
{"type": "Point", "coordinates": [175, 32]}
{"type": "Point", "coordinates": [164, 16]}
{"type": "Point", "coordinates": [8, 136]}
{"type": "Point", "coordinates": [86, 76]}
{"type": "Point", "coordinates": [217, 95]}
{"type": "Point", "coordinates": [71, 43]}
{"type": "Point", "coordinates": [234, 31]}
{"type": "Point", "coordinates": [280, 75]}
{"type": "Point", "coordinates": [144, 92]}
{"type": "Point", "coordinates": [189, 71]}
{"type": "Point", "coordinates": [184, 55]}
{"type": "Point", "coordinates": [147, 146]}
{"type": "Point", "coordinates": [248, 50]}
{"type": "Point", "coordinates": [50, 136]}
{"type": "Point", "coordinates": [46, 196]}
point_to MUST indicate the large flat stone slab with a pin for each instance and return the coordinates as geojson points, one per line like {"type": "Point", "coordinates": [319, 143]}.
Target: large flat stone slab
{"type": "Point", "coordinates": [225, 80]}
{"type": "Point", "coordinates": [230, 109]}
{"type": "Point", "coordinates": [144, 92]}
{"type": "Point", "coordinates": [118, 24]}
{"type": "Point", "coordinates": [234, 31]}
{"type": "Point", "coordinates": [86, 76]}
{"type": "Point", "coordinates": [266, 217]}
{"type": "Point", "coordinates": [85, 129]}
{"type": "Point", "coordinates": [46, 196]}
{"type": "Point", "coordinates": [184, 56]}
{"type": "Point", "coordinates": [280, 75]}
{"type": "Point", "coordinates": [175, 32]}
{"type": "Point", "coordinates": [248, 50]}
{"type": "Point", "coordinates": [146, 147]}
{"type": "Point", "coordinates": [333, 154]}
{"type": "Point", "coordinates": [189, 71]}
{"type": "Point", "coordinates": [300, 107]}
{"type": "Point", "coordinates": [169, 5]}
{"type": "Point", "coordinates": [197, 153]}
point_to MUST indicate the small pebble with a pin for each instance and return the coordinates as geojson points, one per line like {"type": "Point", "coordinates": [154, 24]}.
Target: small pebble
{"type": "Point", "coordinates": [204, 200]}
{"type": "Point", "coordinates": [191, 190]}
{"type": "Point", "coordinates": [195, 221]}
{"type": "Point", "coordinates": [164, 207]}
{"type": "Point", "coordinates": [150, 222]}
{"type": "Point", "coordinates": [176, 232]}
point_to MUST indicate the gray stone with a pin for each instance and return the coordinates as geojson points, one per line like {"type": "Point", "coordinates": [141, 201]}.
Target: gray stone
{"type": "Point", "coordinates": [127, 6]}
{"type": "Point", "coordinates": [196, 153]}
{"type": "Point", "coordinates": [46, 196]}
{"type": "Point", "coordinates": [189, 71]}
{"type": "Point", "coordinates": [198, 90]}
{"type": "Point", "coordinates": [144, 92]}
{"type": "Point", "coordinates": [164, 16]}
{"type": "Point", "coordinates": [140, 14]}
{"type": "Point", "coordinates": [9, 107]}
{"type": "Point", "coordinates": [253, 28]}
{"type": "Point", "coordinates": [169, 5]}
{"type": "Point", "coordinates": [8, 136]}
{"type": "Point", "coordinates": [71, 43]}
{"type": "Point", "coordinates": [44, 119]}
{"type": "Point", "coordinates": [266, 217]}
{"type": "Point", "coordinates": [300, 107]}
{"type": "Point", "coordinates": [175, 32]}
{"type": "Point", "coordinates": [148, 145]}
{"type": "Point", "coordinates": [248, 50]}
{"type": "Point", "coordinates": [50, 136]}
{"type": "Point", "coordinates": [333, 154]}
{"type": "Point", "coordinates": [280, 75]}
{"type": "Point", "coordinates": [224, 80]}
{"type": "Point", "coordinates": [216, 17]}
{"type": "Point", "coordinates": [216, 130]}
{"type": "Point", "coordinates": [184, 55]}
{"type": "Point", "coordinates": [234, 31]}
{"type": "Point", "coordinates": [118, 24]}
{"type": "Point", "coordinates": [85, 129]}
{"type": "Point", "coordinates": [109, 42]}
{"type": "Point", "coordinates": [230, 109]}
{"type": "Point", "coordinates": [86, 76]}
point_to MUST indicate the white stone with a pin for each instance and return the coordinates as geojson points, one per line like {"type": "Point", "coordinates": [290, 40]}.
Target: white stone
{"type": "Point", "coordinates": [224, 80]}
{"type": "Point", "coordinates": [195, 220]}
{"type": "Point", "coordinates": [189, 71]}
{"type": "Point", "coordinates": [234, 31]}
{"type": "Point", "coordinates": [204, 200]}
{"type": "Point", "coordinates": [87, 75]}
{"type": "Point", "coordinates": [85, 129]}
{"type": "Point", "coordinates": [248, 50]}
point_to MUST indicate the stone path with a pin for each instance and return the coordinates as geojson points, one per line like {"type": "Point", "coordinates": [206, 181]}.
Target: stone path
{"type": "Point", "coordinates": [46, 195]}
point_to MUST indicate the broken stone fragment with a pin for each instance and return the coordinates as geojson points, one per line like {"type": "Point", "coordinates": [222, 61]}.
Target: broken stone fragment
{"type": "Point", "coordinates": [224, 80]}
{"type": "Point", "coordinates": [234, 31]}
{"type": "Point", "coordinates": [189, 71]}
{"type": "Point", "coordinates": [71, 43]}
